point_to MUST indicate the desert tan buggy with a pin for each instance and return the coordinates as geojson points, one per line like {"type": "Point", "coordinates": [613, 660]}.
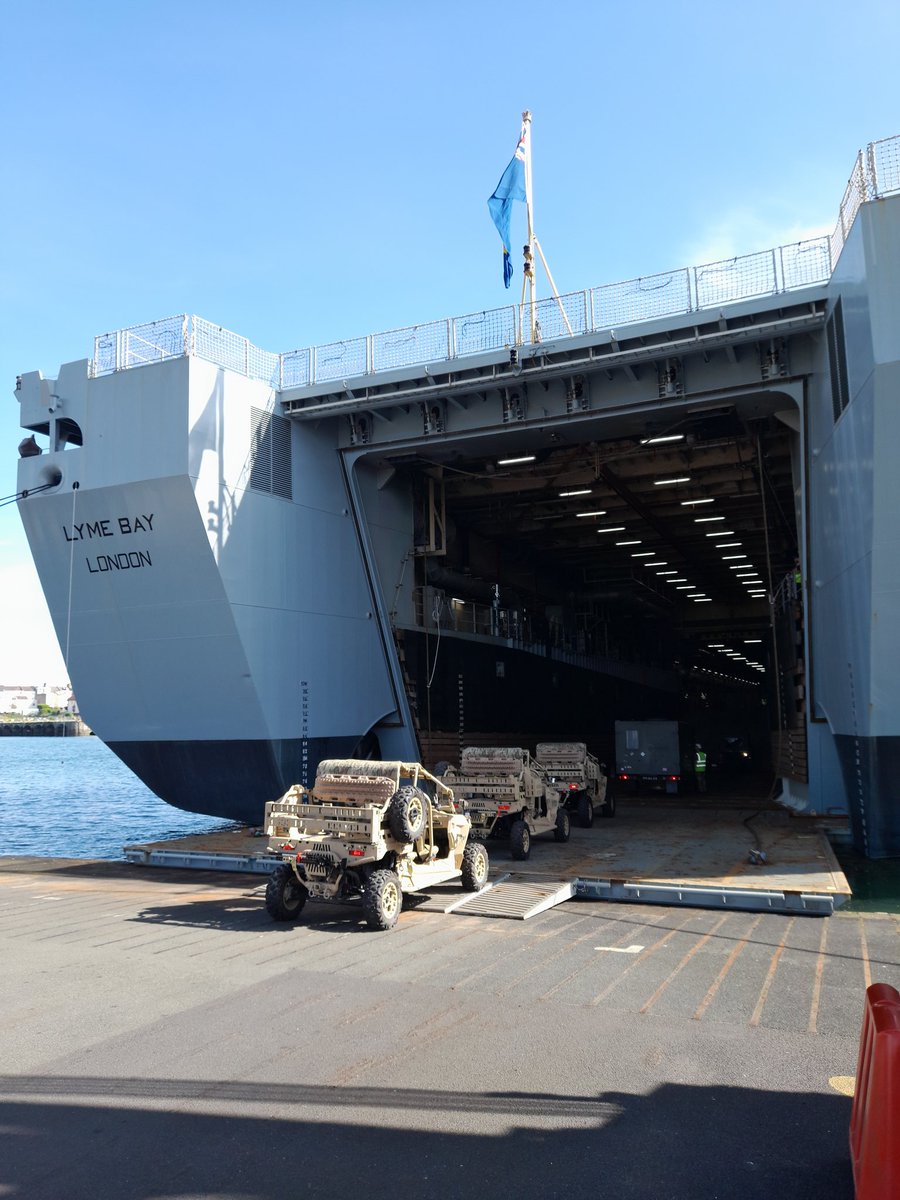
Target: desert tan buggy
{"type": "Point", "coordinates": [372, 830]}
{"type": "Point", "coordinates": [581, 778]}
{"type": "Point", "coordinates": [508, 795]}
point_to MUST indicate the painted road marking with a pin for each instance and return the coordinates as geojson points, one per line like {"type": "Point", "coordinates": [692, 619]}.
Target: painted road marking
{"type": "Point", "coordinates": [845, 1084]}
{"type": "Point", "coordinates": [864, 946]}
{"type": "Point", "coordinates": [773, 966]}
{"type": "Point", "coordinates": [817, 986]}
{"type": "Point", "coordinates": [732, 958]}
{"type": "Point", "coordinates": [643, 956]}
{"type": "Point", "coordinates": [690, 954]}
{"type": "Point", "coordinates": [620, 949]}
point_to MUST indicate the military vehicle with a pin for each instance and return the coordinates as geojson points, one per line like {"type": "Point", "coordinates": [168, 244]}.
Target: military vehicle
{"type": "Point", "coordinates": [581, 777]}
{"type": "Point", "coordinates": [371, 831]}
{"type": "Point", "coordinates": [508, 795]}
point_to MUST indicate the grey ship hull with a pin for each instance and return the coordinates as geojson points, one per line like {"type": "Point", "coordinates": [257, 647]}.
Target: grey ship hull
{"type": "Point", "coordinates": [219, 636]}
{"type": "Point", "coordinates": [231, 779]}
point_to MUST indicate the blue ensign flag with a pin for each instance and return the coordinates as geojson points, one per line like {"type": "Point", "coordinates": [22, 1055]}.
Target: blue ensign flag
{"type": "Point", "coordinates": [511, 187]}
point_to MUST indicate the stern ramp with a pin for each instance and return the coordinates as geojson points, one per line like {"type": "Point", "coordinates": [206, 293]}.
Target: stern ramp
{"type": "Point", "coordinates": [689, 857]}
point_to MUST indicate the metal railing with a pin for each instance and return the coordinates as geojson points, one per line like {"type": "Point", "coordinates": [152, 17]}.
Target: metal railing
{"type": "Point", "coordinates": [520, 629]}
{"type": "Point", "coordinates": [876, 173]}
{"type": "Point", "coordinates": [178, 336]}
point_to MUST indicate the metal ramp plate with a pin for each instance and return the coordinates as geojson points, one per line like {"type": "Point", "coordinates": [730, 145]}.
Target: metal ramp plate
{"type": "Point", "coordinates": [750, 900]}
{"type": "Point", "coordinates": [446, 898]}
{"type": "Point", "coordinates": [152, 856]}
{"type": "Point", "coordinates": [517, 899]}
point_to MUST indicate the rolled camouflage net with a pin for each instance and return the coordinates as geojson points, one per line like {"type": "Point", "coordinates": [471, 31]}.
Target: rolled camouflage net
{"type": "Point", "coordinates": [570, 751]}
{"type": "Point", "coordinates": [359, 766]}
{"type": "Point", "coordinates": [493, 758]}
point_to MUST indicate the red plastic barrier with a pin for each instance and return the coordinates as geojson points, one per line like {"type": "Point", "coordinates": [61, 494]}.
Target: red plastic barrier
{"type": "Point", "coordinates": [875, 1119]}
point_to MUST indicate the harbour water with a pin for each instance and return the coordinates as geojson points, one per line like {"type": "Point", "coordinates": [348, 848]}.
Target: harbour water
{"type": "Point", "coordinates": [875, 882]}
{"type": "Point", "coordinates": [72, 798]}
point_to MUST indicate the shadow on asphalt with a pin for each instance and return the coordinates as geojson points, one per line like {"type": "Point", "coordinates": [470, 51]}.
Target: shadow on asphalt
{"type": "Point", "coordinates": [249, 913]}
{"type": "Point", "coordinates": [133, 1139]}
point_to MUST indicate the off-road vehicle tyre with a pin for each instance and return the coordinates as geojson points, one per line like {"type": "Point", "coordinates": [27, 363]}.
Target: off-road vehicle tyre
{"type": "Point", "coordinates": [609, 804]}
{"type": "Point", "coordinates": [285, 894]}
{"type": "Point", "coordinates": [563, 826]}
{"type": "Point", "coordinates": [382, 900]}
{"type": "Point", "coordinates": [585, 809]}
{"type": "Point", "coordinates": [520, 841]}
{"type": "Point", "coordinates": [476, 866]}
{"type": "Point", "coordinates": [407, 815]}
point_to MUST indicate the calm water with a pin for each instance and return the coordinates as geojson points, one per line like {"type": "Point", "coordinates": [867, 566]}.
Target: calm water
{"type": "Point", "coordinates": [875, 884]}
{"type": "Point", "coordinates": [72, 798]}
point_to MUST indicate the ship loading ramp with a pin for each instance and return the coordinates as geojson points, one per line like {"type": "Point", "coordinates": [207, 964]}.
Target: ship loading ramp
{"type": "Point", "coordinates": [697, 857]}
{"type": "Point", "coordinates": [594, 529]}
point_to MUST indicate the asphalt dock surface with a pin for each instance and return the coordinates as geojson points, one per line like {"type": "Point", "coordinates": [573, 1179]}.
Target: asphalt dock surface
{"type": "Point", "coordinates": [163, 1039]}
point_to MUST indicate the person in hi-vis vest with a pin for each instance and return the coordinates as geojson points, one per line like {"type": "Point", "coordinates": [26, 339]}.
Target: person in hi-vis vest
{"type": "Point", "coordinates": [700, 768]}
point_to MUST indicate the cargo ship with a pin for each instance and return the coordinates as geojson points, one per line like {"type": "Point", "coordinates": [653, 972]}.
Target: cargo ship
{"type": "Point", "coordinates": [671, 497]}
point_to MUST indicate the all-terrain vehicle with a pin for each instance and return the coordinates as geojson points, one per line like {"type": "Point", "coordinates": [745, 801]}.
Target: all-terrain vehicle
{"type": "Point", "coordinates": [369, 830]}
{"type": "Point", "coordinates": [508, 795]}
{"type": "Point", "coordinates": [581, 777]}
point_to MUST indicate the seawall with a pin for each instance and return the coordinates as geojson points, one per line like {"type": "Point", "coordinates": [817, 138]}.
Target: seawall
{"type": "Point", "coordinates": [50, 727]}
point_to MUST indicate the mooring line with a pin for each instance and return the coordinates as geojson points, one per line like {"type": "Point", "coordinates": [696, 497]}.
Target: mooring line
{"type": "Point", "coordinates": [71, 571]}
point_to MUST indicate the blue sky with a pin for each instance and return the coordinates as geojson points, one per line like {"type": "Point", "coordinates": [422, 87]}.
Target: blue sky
{"type": "Point", "coordinates": [301, 173]}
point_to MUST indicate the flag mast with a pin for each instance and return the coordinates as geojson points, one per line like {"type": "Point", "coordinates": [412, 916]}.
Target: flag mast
{"type": "Point", "coordinates": [516, 184]}
{"type": "Point", "coordinates": [528, 278]}
{"type": "Point", "coordinates": [528, 248]}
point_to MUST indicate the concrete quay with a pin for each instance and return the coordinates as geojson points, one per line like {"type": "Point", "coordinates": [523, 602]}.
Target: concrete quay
{"type": "Point", "coordinates": [45, 727]}
{"type": "Point", "coordinates": [161, 1037]}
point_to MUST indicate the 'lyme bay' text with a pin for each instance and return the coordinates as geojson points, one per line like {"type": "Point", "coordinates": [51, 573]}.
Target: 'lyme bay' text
{"type": "Point", "coordinates": [109, 527]}
{"type": "Point", "coordinates": [127, 560]}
